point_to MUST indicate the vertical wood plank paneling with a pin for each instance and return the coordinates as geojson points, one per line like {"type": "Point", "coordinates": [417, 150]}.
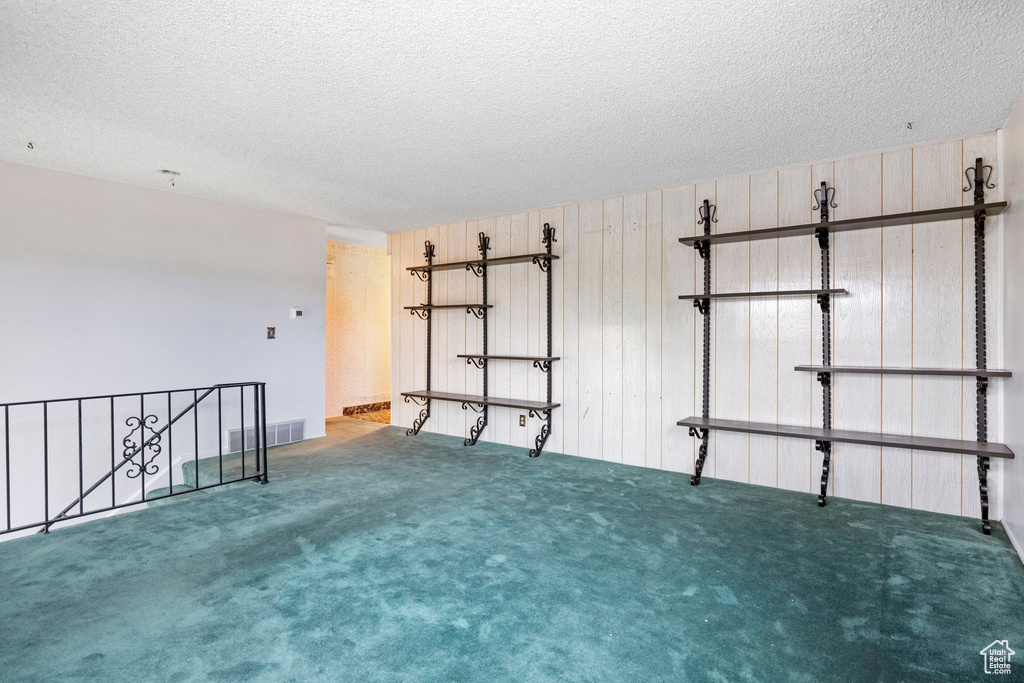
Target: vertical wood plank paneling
{"type": "Point", "coordinates": [764, 328]}
{"type": "Point", "coordinates": [410, 354]}
{"type": "Point", "coordinates": [897, 325]}
{"type": "Point", "coordinates": [857, 324]}
{"type": "Point", "coordinates": [397, 269]}
{"type": "Point", "coordinates": [569, 349]}
{"type": "Point", "coordinates": [499, 281]}
{"type": "Point", "coordinates": [984, 146]}
{"type": "Point", "coordinates": [474, 327]}
{"type": "Point", "coordinates": [938, 290]}
{"type": "Point", "coordinates": [438, 236]}
{"type": "Point", "coordinates": [456, 321]}
{"type": "Point", "coordinates": [611, 337]}
{"type": "Point", "coordinates": [795, 331]}
{"type": "Point", "coordinates": [653, 366]}
{"type": "Point", "coordinates": [419, 327]}
{"type": "Point", "coordinates": [731, 358]}
{"type": "Point", "coordinates": [631, 351]}
{"type": "Point", "coordinates": [487, 227]}
{"type": "Point", "coordinates": [519, 322]}
{"type": "Point", "coordinates": [634, 329]}
{"type": "Point", "coordinates": [678, 266]}
{"type": "Point", "coordinates": [591, 289]}
{"type": "Point", "coordinates": [554, 217]}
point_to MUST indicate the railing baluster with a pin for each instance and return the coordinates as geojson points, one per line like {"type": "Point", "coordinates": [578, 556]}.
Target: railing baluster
{"type": "Point", "coordinates": [46, 468]}
{"type": "Point", "coordinates": [256, 427]}
{"type": "Point", "coordinates": [220, 436]}
{"type": "Point", "coordinates": [7, 461]}
{"type": "Point", "coordinates": [81, 464]}
{"type": "Point", "coordinates": [195, 431]}
{"type": "Point", "coordinates": [170, 455]}
{"type": "Point", "coordinates": [263, 417]}
{"type": "Point", "coordinates": [142, 440]}
{"type": "Point", "coordinates": [241, 405]}
{"type": "Point", "coordinates": [113, 472]}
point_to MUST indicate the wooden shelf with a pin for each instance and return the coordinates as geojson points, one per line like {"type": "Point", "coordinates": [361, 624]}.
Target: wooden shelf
{"type": "Point", "coordinates": [926, 216]}
{"type": "Point", "coordinates": [918, 443]}
{"type": "Point", "coordinates": [499, 261]}
{"type": "Point", "coordinates": [491, 357]}
{"type": "Point", "coordinates": [481, 400]}
{"type": "Point", "coordinates": [739, 295]}
{"type": "Point", "coordinates": [864, 370]}
{"type": "Point", "coordinates": [430, 308]}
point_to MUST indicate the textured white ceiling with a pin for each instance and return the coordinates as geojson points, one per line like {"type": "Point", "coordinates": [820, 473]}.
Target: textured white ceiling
{"type": "Point", "coordinates": [401, 114]}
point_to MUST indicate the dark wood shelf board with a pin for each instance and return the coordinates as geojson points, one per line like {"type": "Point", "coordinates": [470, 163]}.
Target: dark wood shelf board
{"type": "Point", "coordinates": [430, 308]}
{"type": "Point", "coordinates": [482, 400]}
{"type": "Point", "coordinates": [497, 261]}
{"type": "Point", "coordinates": [865, 370]}
{"type": "Point", "coordinates": [925, 216]}
{"type": "Point", "coordinates": [491, 357]}
{"type": "Point", "coordinates": [918, 443]}
{"type": "Point", "coordinates": [739, 295]}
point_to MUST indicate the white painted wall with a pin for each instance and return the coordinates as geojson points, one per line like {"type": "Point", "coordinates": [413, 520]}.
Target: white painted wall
{"type": "Point", "coordinates": [112, 288]}
{"type": "Point", "coordinates": [631, 349]}
{"type": "Point", "coordinates": [1012, 255]}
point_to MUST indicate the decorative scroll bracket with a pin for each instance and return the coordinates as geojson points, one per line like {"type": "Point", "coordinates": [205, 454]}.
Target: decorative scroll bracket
{"type": "Point", "coordinates": [824, 198]}
{"type": "Point", "coordinates": [483, 244]}
{"type": "Point", "coordinates": [821, 234]}
{"type": "Point", "coordinates": [548, 238]}
{"type": "Point", "coordinates": [825, 378]}
{"type": "Point", "coordinates": [702, 453]}
{"type": "Point", "coordinates": [479, 362]}
{"type": "Point", "coordinates": [541, 439]}
{"type": "Point", "coordinates": [476, 430]}
{"type": "Point", "coordinates": [825, 447]}
{"type": "Point", "coordinates": [475, 407]}
{"type": "Point", "coordinates": [423, 275]}
{"type": "Point", "coordinates": [703, 249]}
{"type": "Point", "coordinates": [428, 251]}
{"type": "Point", "coordinates": [478, 311]}
{"type": "Point", "coordinates": [477, 269]}
{"type": "Point", "coordinates": [131, 449]}
{"type": "Point", "coordinates": [543, 263]}
{"type": "Point", "coordinates": [421, 313]}
{"type": "Point", "coordinates": [542, 414]}
{"type": "Point", "coordinates": [823, 301]}
{"type": "Point", "coordinates": [418, 423]}
{"type": "Point", "coordinates": [417, 400]}
{"type": "Point", "coordinates": [542, 365]}
{"type": "Point", "coordinates": [981, 172]}
{"type": "Point", "coordinates": [702, 305]}
{"type": "Point", "coordinates": [708, 214]}
{"type": "Point", "coordinates": [983, 465]}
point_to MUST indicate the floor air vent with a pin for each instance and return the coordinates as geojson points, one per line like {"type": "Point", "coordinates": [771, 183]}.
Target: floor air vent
{"type": "Point", "coordinates": [277, 433]}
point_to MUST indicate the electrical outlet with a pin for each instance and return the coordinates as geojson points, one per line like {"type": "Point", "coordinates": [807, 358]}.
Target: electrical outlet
{"type": "Point", "coordinates": [522, 420]}
{"type": "Point", "coordinates": [271, 333]}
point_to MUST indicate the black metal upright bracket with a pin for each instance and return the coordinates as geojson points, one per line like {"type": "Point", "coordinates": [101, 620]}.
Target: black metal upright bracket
{"type": "Point", "coordinates": [824, 199]}
{"type": "Point", "coordinates": [548, 240]}
{"type": "Point", "coordinates": [978, 177]}
{"type": "Point", "coordinates": [708, 215]}
{"type": "Point", "coordinates": [428, 255]}
{"type": "Point", "coordinates": [480, 270]}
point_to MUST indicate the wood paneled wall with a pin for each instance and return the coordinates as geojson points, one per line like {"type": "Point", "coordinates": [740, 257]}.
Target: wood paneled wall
{"type": "Point", "coordinates": [630, 348]}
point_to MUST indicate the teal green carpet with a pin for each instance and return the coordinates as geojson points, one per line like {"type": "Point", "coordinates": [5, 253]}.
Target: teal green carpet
{"type": "Point", "coordinates": [372, 556]}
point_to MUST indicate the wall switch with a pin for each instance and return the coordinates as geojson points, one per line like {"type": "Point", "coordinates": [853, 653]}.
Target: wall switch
{"type": "Point", "coordinates": [271, 333]}
{"type": "Point", "coordinates": [522, 420]}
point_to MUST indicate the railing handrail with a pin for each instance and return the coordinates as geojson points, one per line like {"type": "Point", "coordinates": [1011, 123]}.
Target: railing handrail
{"type": "Point", "coordinates": [126, 395]}
{"type": "Point", "coordinates": [138, 449]}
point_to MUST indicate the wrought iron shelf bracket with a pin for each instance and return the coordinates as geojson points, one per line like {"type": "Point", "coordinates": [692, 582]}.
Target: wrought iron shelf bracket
{"type": "Point", "coordinates": [978, 179]}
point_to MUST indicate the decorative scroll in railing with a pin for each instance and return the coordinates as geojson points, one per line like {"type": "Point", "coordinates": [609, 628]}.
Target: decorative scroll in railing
{"type": "Point", "coordinates": [69, 458]}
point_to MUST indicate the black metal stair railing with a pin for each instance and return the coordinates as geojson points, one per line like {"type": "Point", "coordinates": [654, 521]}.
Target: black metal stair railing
{"type": "Point", "coordinates": [46, 441]}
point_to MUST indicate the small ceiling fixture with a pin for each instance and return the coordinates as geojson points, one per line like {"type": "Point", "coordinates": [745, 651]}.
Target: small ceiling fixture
{"type": "Point", "coordinates": [171, 174]}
